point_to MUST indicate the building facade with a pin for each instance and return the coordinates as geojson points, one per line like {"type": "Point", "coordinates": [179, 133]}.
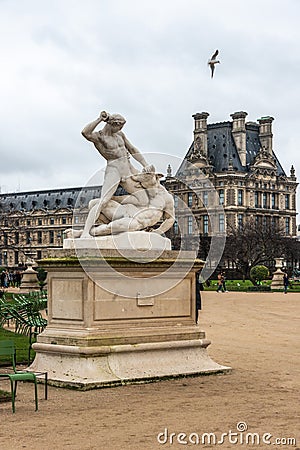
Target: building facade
{"type": "Point", "coordinates": [32, 222]}
{"type": "Point", "coordinates": [231, 174]}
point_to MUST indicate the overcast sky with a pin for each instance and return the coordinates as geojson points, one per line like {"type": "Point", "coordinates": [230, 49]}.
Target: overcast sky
{"type": "Point", "coordinates": [64, 61]}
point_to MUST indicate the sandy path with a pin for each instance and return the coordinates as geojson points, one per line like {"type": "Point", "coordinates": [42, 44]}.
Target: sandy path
{"type": "Point", "coordinates": [256, 334]}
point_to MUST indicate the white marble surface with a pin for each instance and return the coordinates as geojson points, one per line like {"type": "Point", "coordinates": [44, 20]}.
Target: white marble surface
{"type": "Point", "coordinates": [135, 240]}
{"type": "Point", "coordinates": [106, 366]}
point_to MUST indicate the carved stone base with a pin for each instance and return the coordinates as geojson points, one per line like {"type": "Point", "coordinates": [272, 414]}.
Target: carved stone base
{"type": "Point", "coordinates": [89, 367]}
{"type": "Point", "coordinates": [29, 281]}
{"type": "Point", "coordinates": [98, 336]}
{"type": "Point", "coordinates": [136, 240]}
{"type": "Point", "coordinates": [277, 280]}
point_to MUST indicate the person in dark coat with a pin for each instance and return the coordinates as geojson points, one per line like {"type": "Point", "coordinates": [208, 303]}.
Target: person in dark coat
{"type": "Point", "coordinates": [285, 282]}
{"type": "Point", "coordinates": [2, 278]}
{"type": "Point", "coordinates": [199, 287]}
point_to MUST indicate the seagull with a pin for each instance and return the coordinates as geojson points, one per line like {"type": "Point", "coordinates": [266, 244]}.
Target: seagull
{"type": "Point", "coordinates": [213, 61]}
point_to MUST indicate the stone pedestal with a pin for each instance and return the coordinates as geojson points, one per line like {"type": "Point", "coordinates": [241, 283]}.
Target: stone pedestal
{"type": "Point", "coordinates": [115, 320]}
{"type": "Point", "coordinates": [277, 280]}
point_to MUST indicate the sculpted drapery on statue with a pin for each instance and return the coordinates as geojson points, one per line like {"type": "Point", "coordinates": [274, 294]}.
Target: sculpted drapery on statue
{"type": "Point", "coordinates": [147, 202]}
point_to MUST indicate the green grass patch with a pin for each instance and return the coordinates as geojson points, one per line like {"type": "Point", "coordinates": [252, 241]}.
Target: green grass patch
{"type": "Point", "coordinates": [8, 295]}
{"type": "Point", "coordinates": [231, 285]}
{"type": "Point", "coordinates": [247, 285]}
{"type": "Point", "coordinates": [294, 287]}
{"type": "Point", "coordinates": [259, 288]}
{"type": "Point", "coordinates": [21, 345]}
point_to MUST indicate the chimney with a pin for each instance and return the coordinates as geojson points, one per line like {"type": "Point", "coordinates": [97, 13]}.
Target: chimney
{"type": "Point", "coordinates": [200, 132]}
{"type": "Point", "coordinates": [265, 133]}
{"type": "Point", "coordinates": [239, 134]}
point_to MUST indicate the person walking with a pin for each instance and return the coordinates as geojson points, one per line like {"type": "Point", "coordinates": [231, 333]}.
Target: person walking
{"type": "Point", "coordinates": [224, 282]}
{"type": "Point", "coordinates": [5, 279]}
{"type": "Point", "coordinates": [199, 287]}
{"type": "Point", "coordinates": [18, 278]}
{"type": "Point", "coordinates": [285, 283]}
{"type": "Point", "coordinates": [220, 283]}
{"type": "Point", "coordinates": [2, 278]}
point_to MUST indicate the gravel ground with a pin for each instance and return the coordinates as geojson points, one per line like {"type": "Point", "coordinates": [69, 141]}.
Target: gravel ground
{"type": "Point", "coordinates": [256, 334]}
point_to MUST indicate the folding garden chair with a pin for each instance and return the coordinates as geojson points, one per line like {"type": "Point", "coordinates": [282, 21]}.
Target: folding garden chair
{"type": "Point", "coordinates": [7, 349]}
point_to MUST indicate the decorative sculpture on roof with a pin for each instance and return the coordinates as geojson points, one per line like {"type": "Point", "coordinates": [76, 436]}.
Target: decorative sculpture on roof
{"type": "Point", "coordinates": [264, 159]}
{"type": "Point", "coordinates": [197, 151]}
{"type": "Point", "coordinates": [292, 172]}
{"type": "Point", "coordinates": [197, 156]}
{"type": "Point", "coordinates": [169, 170]}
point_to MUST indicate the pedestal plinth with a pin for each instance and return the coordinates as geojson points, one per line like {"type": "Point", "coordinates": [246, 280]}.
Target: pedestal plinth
{"type": "Point", "coordinates": [29, 281]}
{"type": "Point", "coordinates": [277, 279]}
{"type": "Point", "coordinates": [97, 336]}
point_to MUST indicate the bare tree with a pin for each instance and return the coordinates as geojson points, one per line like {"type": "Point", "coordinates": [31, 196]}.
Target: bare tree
{"type": "Point", "coordinates": [291, 254]}
{"type": "Point", "coordinates": [253, 244]}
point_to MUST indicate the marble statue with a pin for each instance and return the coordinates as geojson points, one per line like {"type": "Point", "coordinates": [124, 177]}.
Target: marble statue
{"type": "Point", "coordinates": [114, 146]}
{"type": "Point", "coordinates": [121, 214]}
{"type": "Point", "coordinates": [147, 202]}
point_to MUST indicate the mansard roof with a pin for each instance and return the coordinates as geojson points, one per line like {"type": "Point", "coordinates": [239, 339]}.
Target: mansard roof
{"type": "Point", "coordinates": [52, 199]}
{"type": "Point", "coordinates": [222, 151]}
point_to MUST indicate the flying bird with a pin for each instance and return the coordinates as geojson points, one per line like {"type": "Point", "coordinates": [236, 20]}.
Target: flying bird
{"type": "Point", "coordinates": [213, 61]}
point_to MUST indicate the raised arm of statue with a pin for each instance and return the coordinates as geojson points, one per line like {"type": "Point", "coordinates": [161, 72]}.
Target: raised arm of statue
{"type": "Point", "coordinates": [88, 131]}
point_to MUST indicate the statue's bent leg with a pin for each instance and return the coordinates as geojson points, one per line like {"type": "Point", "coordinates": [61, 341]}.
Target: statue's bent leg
{"type": "Point", "coordinates": [116, 226]}
{"type": "Point", "coordinates": [100, 230]}
{"type": "Point", "coordinates": [71, 233]}
{"type": "Point", "coordinates": [111, 182]}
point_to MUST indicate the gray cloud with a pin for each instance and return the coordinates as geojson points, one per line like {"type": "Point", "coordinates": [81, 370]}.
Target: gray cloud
{"type": "Point", "coordinates": [62, 63]}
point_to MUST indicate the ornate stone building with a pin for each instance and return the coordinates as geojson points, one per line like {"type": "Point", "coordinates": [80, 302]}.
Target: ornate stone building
{"type": "Point", "coordinates": [229, 174]}
{"type": "Point", "coordinates": [32, 222]}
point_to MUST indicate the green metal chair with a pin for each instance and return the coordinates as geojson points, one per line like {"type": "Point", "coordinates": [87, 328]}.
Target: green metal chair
{"type": "Point", "coordinates": [7, 349]}
{"type": "Point", "coordinates": [5, 313]}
